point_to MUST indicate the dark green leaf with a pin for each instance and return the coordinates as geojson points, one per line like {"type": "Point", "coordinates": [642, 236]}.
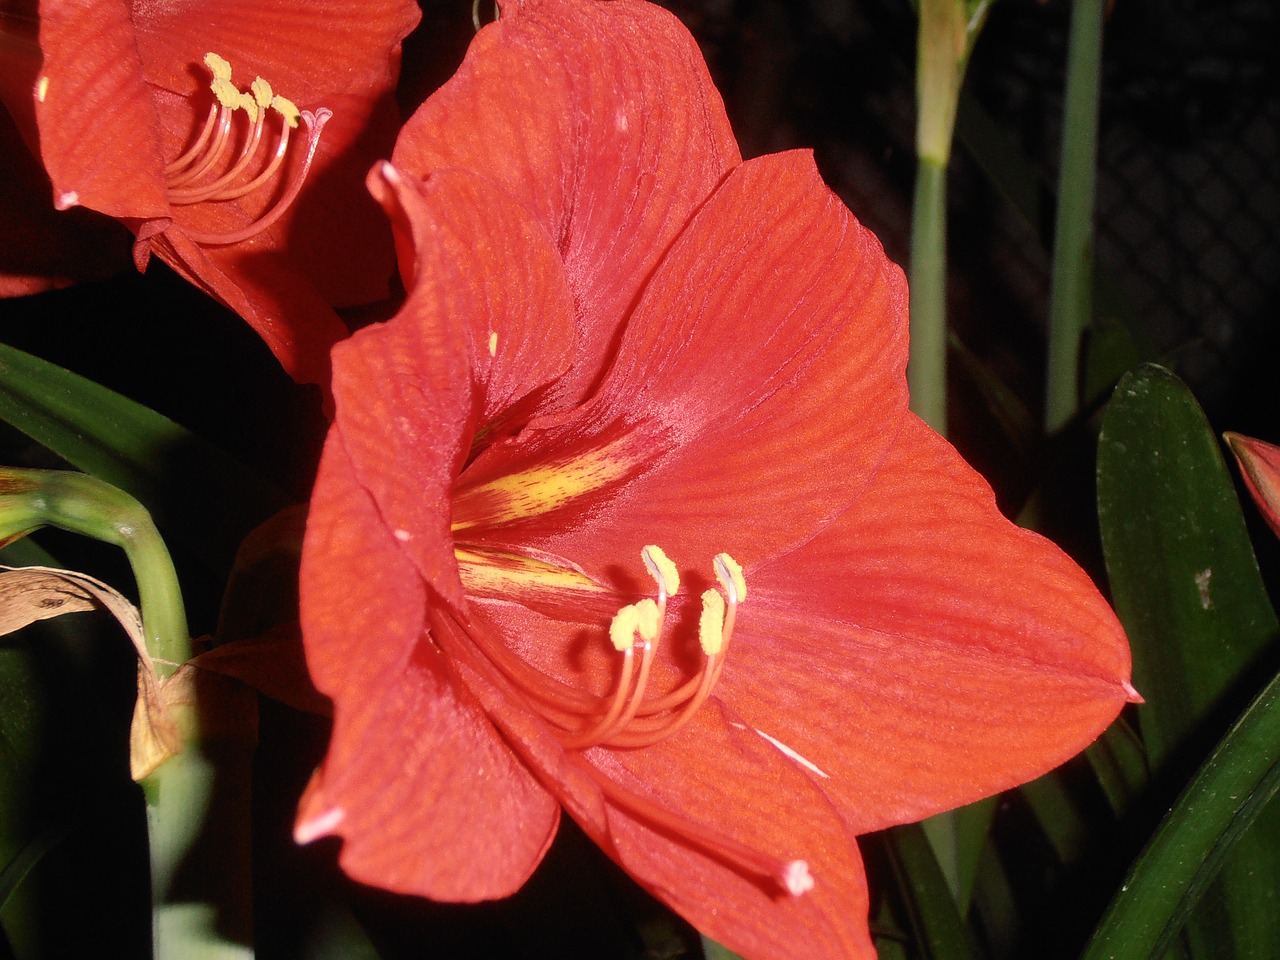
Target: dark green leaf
{"type": "Point", "coordinates": [938, 929]}
{"type": "Point", "coordinates": [198, 495]}
{"type": "Point", "coordinates": [1187, 588]}
{"type": "Point", "coordinates": [1231, 790]}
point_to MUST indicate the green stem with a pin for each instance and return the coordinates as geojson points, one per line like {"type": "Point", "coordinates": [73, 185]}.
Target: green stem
{"type": "Point", "coordinates": [87, 506]}
{"type": "Point", "coordinates": [947, 31]}
{"type": "Point", "coordinates": [188, 919]}
{"type": "Point", "coordinates": [927, 369]}
{"type": "Point", "coordinates": [1071, 296]}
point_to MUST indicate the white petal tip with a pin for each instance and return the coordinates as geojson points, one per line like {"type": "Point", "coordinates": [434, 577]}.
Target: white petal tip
{"type": "Point", "coordinates": [67, 200]}
{"type": "Point", "coordinates": [321, 825]}
{"type": "Point", "coordinates": [389, 173]}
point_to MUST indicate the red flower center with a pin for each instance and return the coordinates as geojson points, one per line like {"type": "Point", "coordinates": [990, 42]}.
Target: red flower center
{"type": "Point", "coordinates": [631, 716]}
{"type": "Point", "coordinates": [226, 159]}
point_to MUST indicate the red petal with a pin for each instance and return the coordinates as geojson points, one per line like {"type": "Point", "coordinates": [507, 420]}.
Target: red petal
{"type": "Point", "coordinates": [1260, 467]}
{"type": "Point", "coordinates": [425, 793]}
{"type": "Point", "coordinates": [42, 248]}
{"type": "Point", "coordinates": [601, 119]}
{"type": "Point", "coordinates": [307, 51]}
{"type": "Point", "coordinates": [339, 54]}
{"type": "Point", "coordinates": [278, 302]}
{"type": "Point", "coordinates": [922, 651]}
{"type": "Point", "coordinates": [99, 132]}
{"type": "Point", "coordinates": [756, 389]}
{"type": "Point", "coordinates": [715, 776]}
{"type": "Point", "coordinates": [720, 775]}
{"type": "Point", "coordinates": [487, 322]}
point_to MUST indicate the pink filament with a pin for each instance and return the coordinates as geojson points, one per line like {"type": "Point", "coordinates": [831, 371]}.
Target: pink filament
{"type": "Point", "coordinates": [207, 155]}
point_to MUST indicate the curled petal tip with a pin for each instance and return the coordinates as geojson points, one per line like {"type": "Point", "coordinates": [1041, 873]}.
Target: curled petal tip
{"type": "Point", "coordinates": [1131, 693]}
{"type": "Point", "coordinates": [323, 824]}
{"type": "Point", "coordinates": [389, 173]}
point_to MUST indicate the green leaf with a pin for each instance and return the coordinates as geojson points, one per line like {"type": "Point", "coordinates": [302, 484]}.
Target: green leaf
{"type": "Point", "coordinates": [1187, 588]}
{"type": "Point", "coordinates": [715, 951]}
{"type": "Point", "coordinates": [197, 494]}
{"type": "Point", "coordinates": [939, 931]}
{"type": "Point", "coordinates": [1231, 790]}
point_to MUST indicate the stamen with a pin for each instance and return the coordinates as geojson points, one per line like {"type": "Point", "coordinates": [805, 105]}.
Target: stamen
{"type": "Point", "coordinates": [628, 717]}
{"type": "Point", "coordinates": [789, 876]}
{"type": "Point", "coordinates": [314, 124]}
{"type": "Point", "coordinates": [711, 623]}
{"type": "Point", "coordinates": [190, 153]}
{"type": "Point", "coordinates": [662, 570]}
{"type": "Point", "coordinates": [205, 160]}
{"type": "Point", "coordinates": [729, 573]}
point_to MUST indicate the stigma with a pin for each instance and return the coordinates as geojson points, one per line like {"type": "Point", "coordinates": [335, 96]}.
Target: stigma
{"type": "Point", "coordinates": [244, 149]}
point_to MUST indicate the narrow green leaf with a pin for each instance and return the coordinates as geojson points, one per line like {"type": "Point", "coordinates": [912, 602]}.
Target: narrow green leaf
{"type": "Point", "coordinates": [1231, 790]}
{"type": "Point", "coordinates": [1188, 591]}
{"type": "Point", "coordinates": [714, 951]}
{"type": "Point", "coordinates": [1071, 288]}
{"type": "Point", "coordinates": [198, 494]}
{"type": "Point", "coordinates": [939, 930]}
{"type": "Point", "coordinates": [1120, 764]}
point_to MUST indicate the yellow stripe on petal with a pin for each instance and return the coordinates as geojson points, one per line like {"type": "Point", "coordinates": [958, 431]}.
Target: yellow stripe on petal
{"type": "Point", "coordinates": [538, 490]}
{"type": "Point", "coordinates": [508, 575]}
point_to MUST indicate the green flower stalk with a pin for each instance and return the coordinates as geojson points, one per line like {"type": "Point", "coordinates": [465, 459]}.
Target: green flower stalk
{"type": "Point", "coordinates": [947, 32]}
{"type": "Point", "coordinates": [186, 923]}
{"type": "Point", "coordinates": [1071, 286]}
{"type": "Point", "coordinates": [30, 499]}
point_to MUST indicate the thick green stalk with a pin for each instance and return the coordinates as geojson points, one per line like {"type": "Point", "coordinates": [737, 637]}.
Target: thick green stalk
{"type": "Point", "coordinates": [87, 506]}
{"type": "Point", "coordinates": [927, 369]}
{"type": "Point", "coordinates": [186, 924]}
{"type": "Point", "coordinates": [947, 31]}
{"type": "Point", "coordinates": [1071, 293]}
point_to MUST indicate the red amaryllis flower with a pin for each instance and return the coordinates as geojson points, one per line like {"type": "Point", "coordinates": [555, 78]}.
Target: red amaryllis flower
{"type": "Point", "coordinates": [1260, 467]}
{"type": "Point", "coordinates": [618, 338]}
{"type": "Point", "coordinates": [231, 137]}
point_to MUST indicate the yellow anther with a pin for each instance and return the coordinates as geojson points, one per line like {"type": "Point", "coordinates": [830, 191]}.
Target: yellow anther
{"type": "Point", "coordinates": [661, 569]}
{"type": "Point", "coordinates": [287, 109]}
{"type": "Point", "coordinates": [622, 631]}
{"type": "Point", "coordinates": [262, 93]}
{"type": "Point", "coordinates": [250, 106]}
{"type": "Point", "coordinates": [711, 623]}
{"type": "Point", "coordinates": [729, 573]}
{"type": "Point", "coordinates": [647, 622]}
{"type": "Point", "coordinates": [227, 94]}
{"type": "Point", "coordinates": [220, 69]}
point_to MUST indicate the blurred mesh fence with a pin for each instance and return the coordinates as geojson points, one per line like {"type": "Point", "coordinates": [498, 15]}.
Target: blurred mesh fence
{"type": "Point", "coordinates": [1189, 155]}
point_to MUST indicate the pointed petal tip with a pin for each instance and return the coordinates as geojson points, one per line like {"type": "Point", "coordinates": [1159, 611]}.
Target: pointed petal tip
{"type": "Point", "coordinates": [1259, 464]}
{"type": "Point", "coordinates": [323, 824]}
{"type": "Point", "coordinates": [67, 199]}
{"type": "Point", "coordinates": [1131, 693]}
{"type": "Point", "coordinates": [383, 181]}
